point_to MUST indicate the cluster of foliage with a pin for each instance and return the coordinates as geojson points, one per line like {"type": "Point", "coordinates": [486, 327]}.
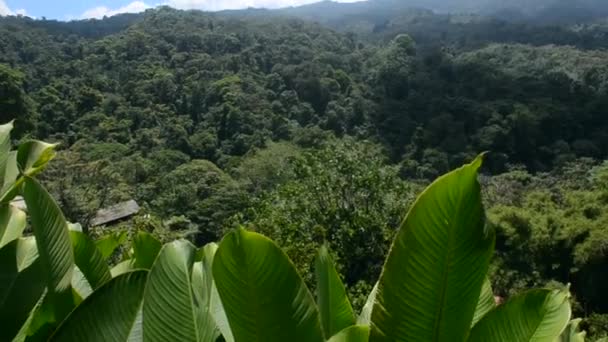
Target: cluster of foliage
{"type": "Point", "coordinates": [433, 285]}
{"type": "Point", "coordinates": [553, 227]}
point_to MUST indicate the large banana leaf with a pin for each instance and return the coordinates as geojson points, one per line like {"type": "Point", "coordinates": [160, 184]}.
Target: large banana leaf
{"type": "Point", "coordinates": [486, 302]}
{"type": "Point", "coordinates": [54, 246]}
{"type": "Point", "coordinates": [264, 297]}
{"type": "Point", "coordinates": [12, 223]}
{"type": "Point", "coordinates": [109, 314]}
{"type": "Point", "coordinates": [21, 285]}
{"type": "Point", "coordinates": [170, 312]}
{"type": "Point", "coordinates": [89, 260]}
{"type": "Point", "coordinates": [334, 307]}
{"type": "Point", "coordinates": [52, 235]}
{"type": "Point", "coordinates": [432, 279]}
{"type": "Point", "coordinates": [534, 316]}
{"type": "Point", "coordinates": [355, 333]}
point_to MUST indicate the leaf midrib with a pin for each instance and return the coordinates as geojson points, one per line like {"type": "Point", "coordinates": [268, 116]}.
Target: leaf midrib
{"type": "Point", "coordinates": [447, 268]}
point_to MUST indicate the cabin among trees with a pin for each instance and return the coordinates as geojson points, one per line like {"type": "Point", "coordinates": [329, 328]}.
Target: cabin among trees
{"type": "Point", "coordinates": [104, 217]}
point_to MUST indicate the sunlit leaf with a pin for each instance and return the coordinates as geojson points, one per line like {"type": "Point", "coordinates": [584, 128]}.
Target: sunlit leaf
{"type": "Point", "coordinates": [432, 278]}
{"type": "Point", "coordinates": [533, 316]}
{"type": "Point", "coordinates": [264, 297]}
{"type": "Point", "coordinates": [109, 314]}
{"type": "Point", "coordinates": [334, 307]}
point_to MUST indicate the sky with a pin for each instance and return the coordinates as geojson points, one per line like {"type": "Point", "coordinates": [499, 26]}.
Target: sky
{"type": "Point", "coordinates": [83, 9]}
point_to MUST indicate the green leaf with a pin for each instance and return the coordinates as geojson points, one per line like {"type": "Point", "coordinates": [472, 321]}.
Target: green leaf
{"type": "Point", "coordinates": [5, 148]}
{"type": "Point", "coordinates": [169, 309]}
{"type": "Point", "coordinates": [123, 267]}
{"type": "Point", "coordinates": [12, 223]}
{"type": "Point", "coordinates": [80, 285]}
{"type": "Point", "coordinates": [25, 328]}
{"type": "Point", "coordinates": [572, 333]}
{"type": "Point", "coordinates": [52, 236]}
{"type": "Point", "coordinates": [432, 279]}
{"type": "Point", "coordinates": [89, 260]}
{"type": "Point", "coordinates": [54, 246]}
{"type": "Point", "coordinates": [21, 285]}
{"type": "Point", "coordinates": [207, 255]}
{"type": "Point", "coordinates": [145, 250]}
{"type": "Point", "coordinates": [10, 187]}
{"type": "Point", "coordinates": [202, 285]}
{"type": "Point", "coordinates": [365, 317]}
{"type": "Point", "coordinates": [355, 333]}
{"type": "Point", "coordinates": [33, 156]}
{"type": "Point", "coordinates": [108, 244]}
{"type": "Point", "coordinates": [264, 297]}
{"type": "Point", "coordinates": [109, 314]}
{"type": "Point", "coordinates": [486, 302]}
{"type": "Point", "coordinates": [534, 316]}
{"type": "Point", "coordinates": [334, 307]}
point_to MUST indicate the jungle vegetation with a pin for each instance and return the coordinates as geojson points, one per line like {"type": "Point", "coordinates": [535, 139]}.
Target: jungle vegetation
{"type": "Point", "coordinates": [318, 134]}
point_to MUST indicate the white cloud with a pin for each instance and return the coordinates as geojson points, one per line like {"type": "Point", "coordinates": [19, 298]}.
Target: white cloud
{"type": "Point", "coordinates": [21, 11]}
{"type": "Point", "coordinates": [4, 10]}
{"type": "Point", "coordinates": [206, 5]}
{"type": "Point", "coordinates": [216, 5]}
{"type": "Point", "coordinates": [101, 11]}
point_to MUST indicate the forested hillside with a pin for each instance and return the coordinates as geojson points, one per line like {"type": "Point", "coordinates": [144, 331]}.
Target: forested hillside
{"type": "Point", "coordinates": [326, 129]}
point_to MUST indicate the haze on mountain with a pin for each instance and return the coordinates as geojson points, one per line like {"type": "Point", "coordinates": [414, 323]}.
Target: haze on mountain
{"type": "Point", "coordinates": [535, 11]}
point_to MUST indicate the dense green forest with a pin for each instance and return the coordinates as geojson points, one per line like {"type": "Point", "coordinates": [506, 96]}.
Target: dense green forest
{"type": "Point", "coordinates": [327, 129]}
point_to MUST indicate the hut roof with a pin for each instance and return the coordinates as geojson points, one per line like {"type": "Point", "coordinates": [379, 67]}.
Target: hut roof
{"type": "Point", "coordinates": [115, 213]}
{"type": "Point", "coordinates": [107, 215]}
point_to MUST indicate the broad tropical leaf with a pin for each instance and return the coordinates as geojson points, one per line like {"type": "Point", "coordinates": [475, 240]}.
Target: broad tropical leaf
{"type": "Point", "coordinates": [33, 156]}
{"type": "Point", "coordinates": [365, 317]}
{"type": "Point", "coordinates": [145, 250]}
{"type": "Point", "coordinates": [432, 279]}
{"type": "Point", "coordinates": [355, 333]}
{"type": "Point", "coordinates": [21, 285]}
{"type": "Point", "coordinates": [334, 307]}
{"type": "Point", "coordinates": [169, 306]}
{"type": "Point", "coordinates": [52, 236]}
{"type": "Point", "coordinates": [486, 302]}
{"type": "Point", "coordinates": [572, 333]}
{"type": "Point", "coordinates": [54, 246]}
{"type": "Point", "coordinates": [264, 297]}
{"type": "Point", "coordinates": [108, 244]}
{"type": "Point", "coordinates": [89, 260]}
{"type": "Point", "coordinates": [109, 314]}
{"type": "Point", "coordinates": [12, 223]}
{"type": "Point", "coordinates": [534, 316]}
